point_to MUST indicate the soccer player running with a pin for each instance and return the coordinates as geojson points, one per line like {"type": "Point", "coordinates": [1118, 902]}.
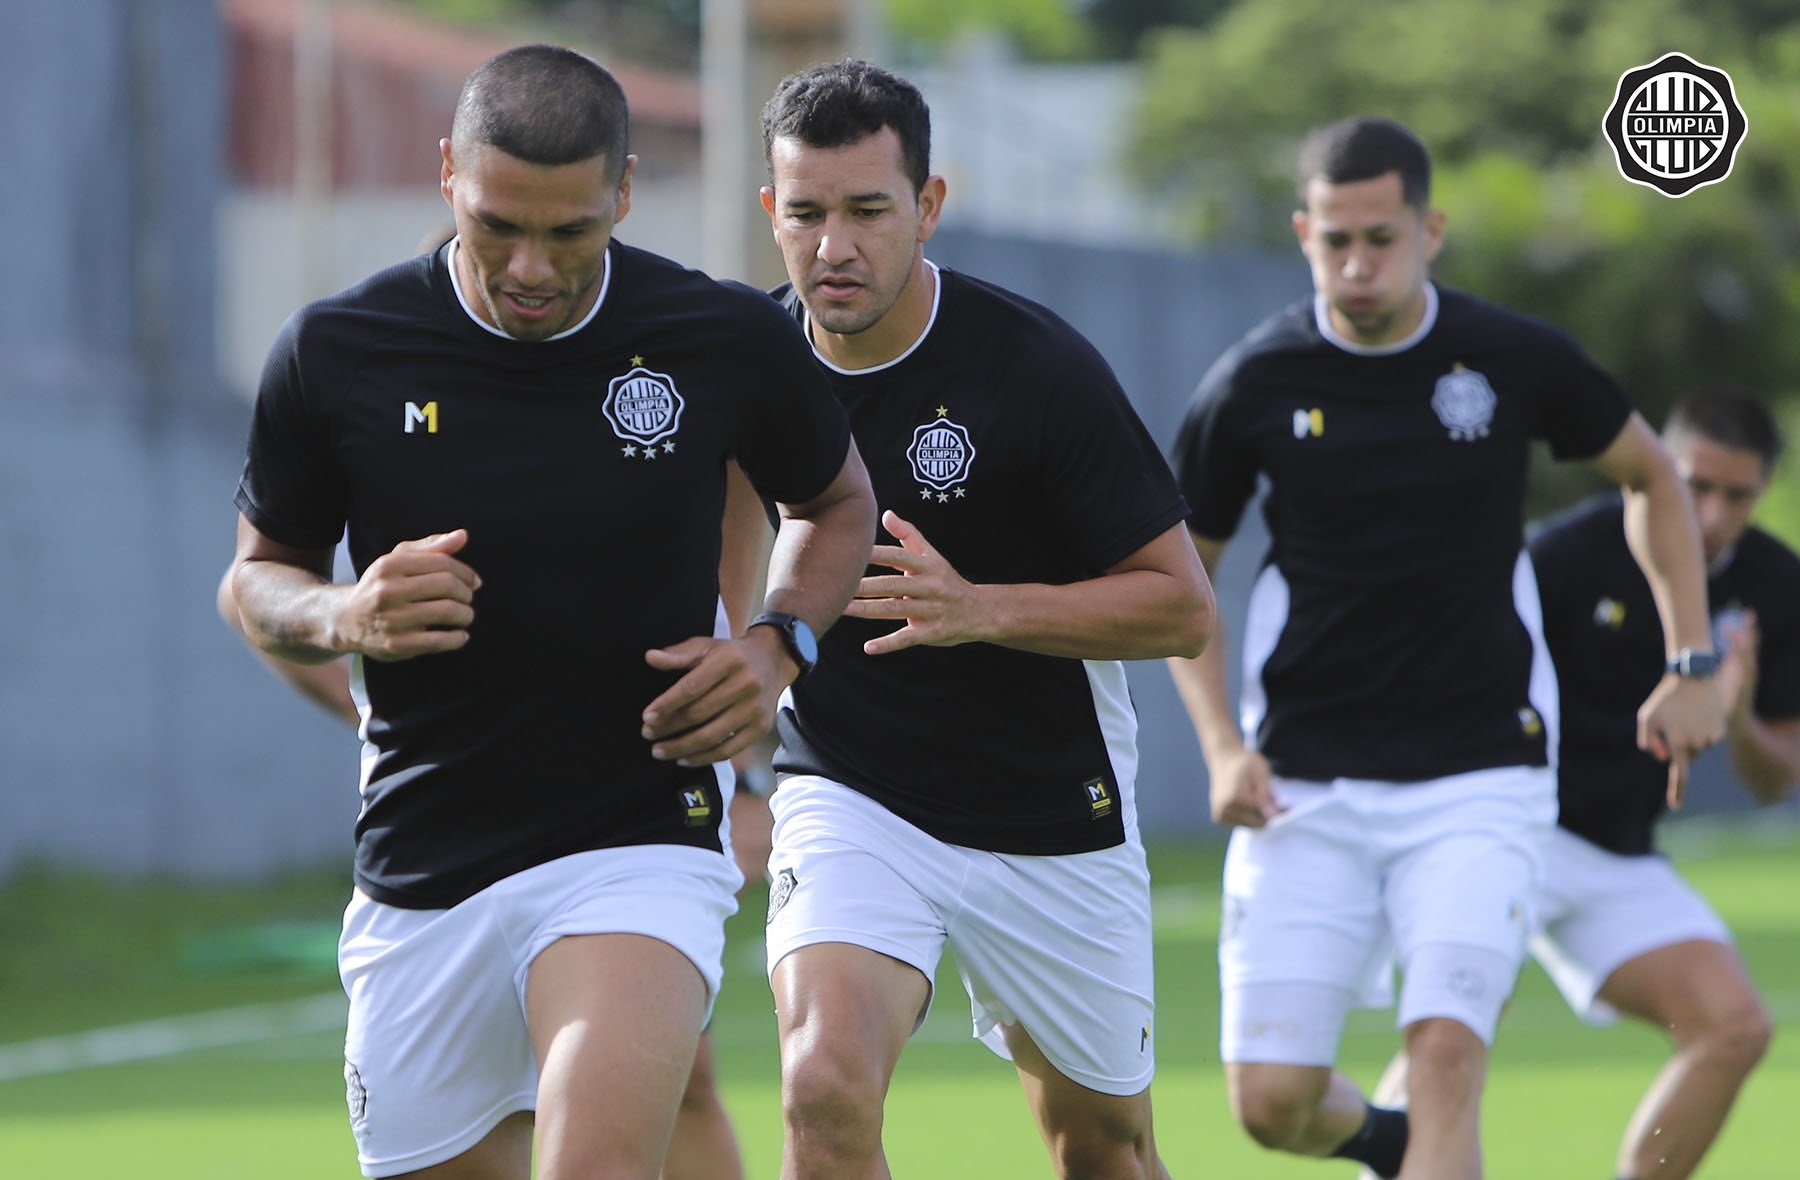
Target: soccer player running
{"type": "Point", "coordinates": [527, 435]}
{"type": "Point", "coordinates": [959, 765]}
{"type": "Point", "coordinates": [702, 1145]}
{"type": "Point", "coordinates": [1391, 776]}
{"type": "Point", "coordinates": [1619, 930]}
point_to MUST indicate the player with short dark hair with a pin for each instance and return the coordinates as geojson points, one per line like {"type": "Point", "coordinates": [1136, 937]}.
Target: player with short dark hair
{"type": "Point", "coordinates": [526, 434]}
{"type": "Point", "coordinates": [1619, 930]}
{"type": "Point", "coordinates": [959, 767]}
{"type": "Point", "coordinates": [1391, 776]}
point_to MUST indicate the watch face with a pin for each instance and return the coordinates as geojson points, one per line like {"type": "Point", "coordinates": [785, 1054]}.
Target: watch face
{"type": "Point", "coordinates": [805, 642]}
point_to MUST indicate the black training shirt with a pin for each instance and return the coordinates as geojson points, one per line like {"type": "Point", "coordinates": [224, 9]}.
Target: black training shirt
{"type": "Point", "coordinates": [1390, 633]}
{"type": "Point", "coordinates": [590, 473]}
{"type": "Point", "coordinates": [1005, 438]}
{"type": "Point", "coordinates": [1607, 641]}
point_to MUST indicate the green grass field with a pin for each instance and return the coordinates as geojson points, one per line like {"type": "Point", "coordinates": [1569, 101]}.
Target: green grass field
{"type": "Point", "coordinates": [265, 1101]}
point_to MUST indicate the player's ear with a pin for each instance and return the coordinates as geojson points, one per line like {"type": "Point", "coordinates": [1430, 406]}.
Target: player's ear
{"type": "Point", "coordinates": [767, 195]}
{"type": "Point", "coordinates": [1433, 223]}
{"type": "Point", "coordinates": [624, 203]}
{"type": "Point", "coordinates": [931, 206]}
{"type": "Point", "coordinates": [1302, 225]}
{"type": "Point", "coordinates": [449, 168]}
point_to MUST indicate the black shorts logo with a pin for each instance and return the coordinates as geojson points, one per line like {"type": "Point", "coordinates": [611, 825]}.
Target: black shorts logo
{"type": "Point", "coordinates": [780, 889]}
{"type": "Point", "coordinates": [1675, 125]}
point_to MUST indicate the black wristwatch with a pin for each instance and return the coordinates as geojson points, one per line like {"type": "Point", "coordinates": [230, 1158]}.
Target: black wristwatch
{"type": "Point", "coordinates": [796, 636]}
{"type": "Point", "coordinates": [1694, 665]}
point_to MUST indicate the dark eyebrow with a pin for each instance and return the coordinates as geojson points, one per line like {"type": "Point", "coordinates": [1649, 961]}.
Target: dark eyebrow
{"type": "Point", "coordinates": [852, 199]}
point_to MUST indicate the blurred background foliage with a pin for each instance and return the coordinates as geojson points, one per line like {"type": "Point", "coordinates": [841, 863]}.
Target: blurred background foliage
{"type": "Point", "coordinates": [1674, 296]}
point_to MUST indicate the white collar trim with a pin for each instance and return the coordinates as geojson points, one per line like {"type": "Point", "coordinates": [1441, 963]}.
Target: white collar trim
{"type": "Point", "coordinates": [1322, 315]}
{"type": "Point", "coordinates": [605, 282]}
{"type": "Point", "coordinates": [937, 295]}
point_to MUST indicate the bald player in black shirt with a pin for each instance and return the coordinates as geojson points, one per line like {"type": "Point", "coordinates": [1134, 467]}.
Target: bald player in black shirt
{"type": "Point", "coordinates": [526, 435]}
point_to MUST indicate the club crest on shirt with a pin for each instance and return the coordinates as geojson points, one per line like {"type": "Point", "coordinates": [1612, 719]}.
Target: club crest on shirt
{"type": "Point", "coordinates": [644, 408]}
{"type": "Point", "coordinates": [1464, 403]}
{"type": "Point", "coordinates": [941, 455]}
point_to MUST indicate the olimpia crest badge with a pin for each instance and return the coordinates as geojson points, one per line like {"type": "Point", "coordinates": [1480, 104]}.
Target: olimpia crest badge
{"type": "Point", "coordinates": [644, 409]}
{"type": "Point", "coordinates": [1464, 403]}
{"type": "Point", "coordinates": [941, 455]}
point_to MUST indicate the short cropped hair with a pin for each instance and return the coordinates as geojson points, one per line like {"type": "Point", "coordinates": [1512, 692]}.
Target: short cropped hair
{"type": "Point", "coordinates": [1732, 419]}
{"type": "Point", "coordinates": [839, 103]}
{"type": "Point", "coordinates": [545, 105]}
{"type": "Point", "coordinates": [1363, 147]}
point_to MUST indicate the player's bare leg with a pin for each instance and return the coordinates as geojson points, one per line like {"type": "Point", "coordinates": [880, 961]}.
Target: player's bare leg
{"type": "Point", "coordinates": [503, 1154]}
{"type": "Point", "coordinates": [1447, 1071]}
{"type": "Point", "coordinates": [1302, 1109]}
{"type": "Point", "coordinates": [703, 1146]}
{"type": "Point", "coordinates": [843, 1013]}
{"type": "Point", "coordinates": [1701, 994]}
{"type": "Point", "coordinates": [615, 1021]}
{"type": "Point", "coordinates": [1090, 1135]}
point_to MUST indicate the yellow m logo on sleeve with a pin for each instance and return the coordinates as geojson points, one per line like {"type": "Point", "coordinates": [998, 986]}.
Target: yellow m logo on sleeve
{"type": "Point", "coordinates": [416, 414]}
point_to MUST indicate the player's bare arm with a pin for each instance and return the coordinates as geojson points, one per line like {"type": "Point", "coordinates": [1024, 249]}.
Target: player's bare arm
{"type": "Point", "coordinates": [417, 600]}
{"type": "Point", "coordinates": [1683, 715]}
{"type": "Point", "coordinates": [1241, 794]}
{"type": "Point", "coordinates": [1156, 602]}
{"type": "Point", "coordinates": [325, 685]}
{"type": "Point", "coordinates": [726, 697]}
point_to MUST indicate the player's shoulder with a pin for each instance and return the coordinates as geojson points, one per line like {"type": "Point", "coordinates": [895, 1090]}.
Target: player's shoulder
{"type": "Point", "coordinates": [1770, 560]}
{"type": "Point", "coordinates": [1463, 316]}
{"type": "Point", "coordinates": [987, 314]}
{"type": "Point", "coordinates": [657, 283]}
{"type": "Point", "coordinates": [1263, 350]}
{"type": "Point", "coordinates": [369, 310]}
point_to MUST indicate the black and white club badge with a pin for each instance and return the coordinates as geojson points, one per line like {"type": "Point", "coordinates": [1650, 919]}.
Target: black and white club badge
{"type": "Point", "coordinates": [941, 455]}
{"type": "Point", "coordinates": [644, 409]}
{"type": "Point", "coordinates": [1464, 402]}
{"type": "Point", "coordinates": [1675, 125]}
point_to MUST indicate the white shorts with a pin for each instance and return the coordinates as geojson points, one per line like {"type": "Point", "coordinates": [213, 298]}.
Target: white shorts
{"type": "Point", "coordinates": [437, 1051]}
{"type": "Point", "coordinates": [1598, 910]}
{"type": "Point", "coordinates": [1060, 945]}
{"type": "Point", "coordinates": [1440, 873]}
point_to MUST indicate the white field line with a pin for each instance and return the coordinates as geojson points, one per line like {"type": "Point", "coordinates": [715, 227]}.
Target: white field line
{"type": "Point", "coordinates": [172, 1036]}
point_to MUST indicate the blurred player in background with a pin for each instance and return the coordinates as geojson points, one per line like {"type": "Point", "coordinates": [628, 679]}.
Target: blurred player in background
{"type": "Point", "coordinates": [1389, 778]}
{"type": "Point", "coordinates": [1619, 930]}
{"type": "Point", "coordinates": [960, 767]}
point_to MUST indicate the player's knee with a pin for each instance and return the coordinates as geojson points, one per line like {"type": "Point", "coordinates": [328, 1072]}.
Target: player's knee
{"type": "Point", "coordinates": [1445, 1056]}
{"type": "Point", "coordinates": [1103, 1160]}
{"type": "Point", "coordinates": [1274, 1111]}
{"type": "Point", "coordinates": [830, 1098]}
{"type": "Point", "coordinates": [1742, 1038]}
{"type": "Point", "coordinates": [1102, 1148]}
